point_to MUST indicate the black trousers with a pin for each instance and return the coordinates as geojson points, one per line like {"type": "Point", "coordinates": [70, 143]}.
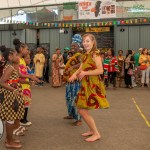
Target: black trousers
{"type": "Point", "coordinates": [111, 78]}
{"type": "Point", "coordinates": [46, 74]}
{"type": "Point", "coordinates": [24, 119]}
{"type": "Point", "coordinates": [127, 78]}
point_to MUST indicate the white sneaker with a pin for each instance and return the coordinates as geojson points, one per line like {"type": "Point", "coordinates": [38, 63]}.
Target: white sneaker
{"type": "Point", "coordinates": [135, 85]}
{"type": "Point", "coordinates": [26, 124]}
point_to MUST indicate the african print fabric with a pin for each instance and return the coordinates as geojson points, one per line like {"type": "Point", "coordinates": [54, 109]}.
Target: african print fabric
{"type": "Point", "coordinates": [92, 93]}
{"type": "Point", "coordinates": [11, 105]}
{"type": "Point", "coordinates": [71, 94]}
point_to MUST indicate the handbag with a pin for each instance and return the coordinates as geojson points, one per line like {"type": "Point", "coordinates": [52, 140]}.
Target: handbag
{"type": "Point", "coordinates": [143, 67]}
{"type": "Point", "coordinates": [1, 97]}
{"type": "Point", "coordinates": [130, 72]}
{"type": "Point", "coordinates": [15, 106]}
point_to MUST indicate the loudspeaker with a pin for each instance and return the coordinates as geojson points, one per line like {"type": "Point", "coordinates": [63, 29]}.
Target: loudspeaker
{"type": "Point", "coordinates": [10, 27]}
{"type": "Point", "coordinates": [122, 30]}
{"type": "Point", "coordinates": [65, 31]}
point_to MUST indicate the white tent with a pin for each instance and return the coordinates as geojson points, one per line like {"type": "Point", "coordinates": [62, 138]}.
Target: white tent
{"type": "Point", "coordinates": [22, 3]}
{"type": "Point", "coordinates": [30, 5]}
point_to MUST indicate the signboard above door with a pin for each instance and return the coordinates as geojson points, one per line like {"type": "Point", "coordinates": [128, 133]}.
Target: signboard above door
{"type": "Point", "coordinates": [99, 29]}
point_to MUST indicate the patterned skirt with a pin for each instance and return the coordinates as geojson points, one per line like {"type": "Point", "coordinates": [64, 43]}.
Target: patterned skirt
{"type": "Point", "coordinates": [92, 94]}
{"type": "Point", "coordinates": [11, 105]}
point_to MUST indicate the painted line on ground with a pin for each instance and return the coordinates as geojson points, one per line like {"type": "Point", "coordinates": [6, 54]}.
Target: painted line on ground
{"type": "Point", "coordinates": [141, 113]}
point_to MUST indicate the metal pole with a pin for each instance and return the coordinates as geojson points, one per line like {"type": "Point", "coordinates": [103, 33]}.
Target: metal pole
{"type": "Point", "coordinates": [36, 15]}
{"type": "Point", "coordinates": [32, 6]}
{"type": "Point", "coordinates": [11, 16]}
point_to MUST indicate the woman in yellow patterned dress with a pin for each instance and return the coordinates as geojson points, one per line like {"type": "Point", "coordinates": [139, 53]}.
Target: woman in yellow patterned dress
{"type": "Point", "coordinates": [92, 92]}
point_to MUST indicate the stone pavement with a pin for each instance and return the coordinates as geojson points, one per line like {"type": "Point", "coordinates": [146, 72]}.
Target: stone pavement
{"type": "Point", "coordinates": [121, 126]}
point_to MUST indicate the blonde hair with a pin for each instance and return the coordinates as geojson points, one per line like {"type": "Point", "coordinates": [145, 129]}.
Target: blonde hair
{"type": "Point", "coordinates": [92, 37]}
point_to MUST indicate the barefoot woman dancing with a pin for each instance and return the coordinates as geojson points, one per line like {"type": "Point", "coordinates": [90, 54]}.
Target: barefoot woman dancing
{"type": "Point", "coordinates": [92, 92]}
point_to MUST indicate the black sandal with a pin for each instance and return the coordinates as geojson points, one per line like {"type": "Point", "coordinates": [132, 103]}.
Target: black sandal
{"type": "Point", "coordinates": [68, 117]}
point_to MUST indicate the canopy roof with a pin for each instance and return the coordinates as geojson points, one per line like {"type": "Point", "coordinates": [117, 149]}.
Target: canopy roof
{"type": "Point", "coordinates": [30, 5]}
{"type": "Point", "coordinates": [23, 3]}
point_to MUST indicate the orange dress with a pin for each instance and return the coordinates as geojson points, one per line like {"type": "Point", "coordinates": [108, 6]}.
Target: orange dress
{"type": "Point", "coordinates": [56, 80]}
{"type": "Point", "coordinates": [92, 93]}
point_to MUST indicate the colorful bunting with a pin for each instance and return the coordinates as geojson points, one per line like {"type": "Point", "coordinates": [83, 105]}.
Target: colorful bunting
{"type": "Point", "coordinates": [127, 21]}
{"type": "Point", "coordinates": [122, 21]}
{"type": "Point", "coordinates": [145, 20]}
{"type": "Point", "coordinates": [118, 22]}
{"type": "Point", "coordinates": [114, 22]}
{"type": "Point", "coordinates": [84, 24]}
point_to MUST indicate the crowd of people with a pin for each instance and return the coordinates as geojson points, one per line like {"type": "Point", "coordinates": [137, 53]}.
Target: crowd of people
{"type": "Point", "coordinates": [85, 71]}
{"type": "Point", "coordinates": [133, 68]}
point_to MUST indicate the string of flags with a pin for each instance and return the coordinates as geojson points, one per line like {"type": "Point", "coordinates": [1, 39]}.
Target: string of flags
{"type": "Point", "coordinates": [87, 24]}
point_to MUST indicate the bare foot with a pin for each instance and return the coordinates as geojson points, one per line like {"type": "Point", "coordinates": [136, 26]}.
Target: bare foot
{"type": "Point", "coordinates": [13, 145]}
{"type": "Point", "coordinates": [87, 134]}
{"type": "Point", "coordinates": [93, 138]}
{"type": "Point", "coordinates": [14, 140]}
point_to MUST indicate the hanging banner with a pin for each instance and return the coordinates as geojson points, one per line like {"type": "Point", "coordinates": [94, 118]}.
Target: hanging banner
{"type": "Point", "coordinates": [67, 17]}
{"type": "Point", "coordinates": [99, 29]}
{"type": "Point", "coordinates": [97, 9]}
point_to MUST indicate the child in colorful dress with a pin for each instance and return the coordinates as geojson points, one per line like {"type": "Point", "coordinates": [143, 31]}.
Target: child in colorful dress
{"type": "Point", "coordinates": [25, 82]}
{"type": "Point", "coordinates": [22, 50]}
{"type": "Point", "coordinates": [12, 103]}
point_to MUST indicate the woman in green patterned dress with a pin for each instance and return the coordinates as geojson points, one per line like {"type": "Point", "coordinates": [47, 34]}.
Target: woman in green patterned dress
{"type": "Point", "coordinates": [92, 92]}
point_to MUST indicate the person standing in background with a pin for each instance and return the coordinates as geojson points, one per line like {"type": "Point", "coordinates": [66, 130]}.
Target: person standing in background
{"type": "Point", "coordinates": [46, 66]}
{"type": "Point", "coordinates": [137, 65]}
{"type": "Point", "coordinates": [120, 59]}
{"type": "Point", "coordinates": [110, 68]}
{"type": "Point", "coordinates": [56, 59]}
{"type": "Point", "coordinates": [128, 65]}
{"type": "Point", "coordinates": [145, 60]}
{"type": "Point", "coordinates": [65, 55]}
{"type": "Point", "coordinates": [133, 76]}
{"type": "Point", "coordinates": [39, 61]}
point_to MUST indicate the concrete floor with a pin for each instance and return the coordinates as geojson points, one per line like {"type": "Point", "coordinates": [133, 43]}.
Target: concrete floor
{"type": "Point", "coordinates": [121, 126]}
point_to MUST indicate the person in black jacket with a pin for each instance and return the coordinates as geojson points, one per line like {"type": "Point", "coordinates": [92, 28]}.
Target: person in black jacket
{"type": "Point", "coordinates": [46, 66]}
{"type": "Point", "coordinates": [65, 55]}
{"type": "Point", "coordinates": [128, 64]}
